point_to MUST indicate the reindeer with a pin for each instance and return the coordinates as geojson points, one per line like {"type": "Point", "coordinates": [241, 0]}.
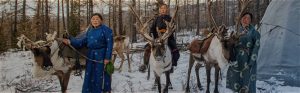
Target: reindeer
{"type": "Point", "coordinates": [212, 53]}
{"type": "Point", "coordinates": [121, 46]}
{"type": "Point", "coordinates": [46, 59]}
{"type": "Point", "coordinates": [160, 57]}
{"type": "Point", "coordinates": [215, 50]}
{"type": "Point", "coordinates": [51, 57]}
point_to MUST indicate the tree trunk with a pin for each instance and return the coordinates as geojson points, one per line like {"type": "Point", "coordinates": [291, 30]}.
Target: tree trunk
{"type": "Point", "coordinates": [2, 20]}
{"type": "Point", "coordinates": [79, 16]}
{"type": "Point", "coordinates": [91, 6]}
{"type": "Point", "coordinates": [109, 13]}
{"type": "Point", "coordinates": [68, 15]}
{"type": "Point", "coordinates": [139, 8]}
{"type": "Point", "coordinates": [58, 30]}
{"type": "Point", "coordinates": [120, 19]}
{"type": "Point", "coordinates": [47, 19]}
{"type": "Point", "coordinates": [145, 7]}
{"type": "Point", "coordinates": [120, 32]}
{"type": "Point", "coordinates": [198, 15]}
{"type": "Point", "coordinates": [14, 31]}
{"type": "Point", "coordinates": [63, 15]}
{"type": "Point", "coordinates": [185, 13]}
{"type": "Point", "coordinates": [114, 17]}
{"type": "Point", "coordinates": [24, 11]}
{"type": "Point", "coordinates": [37, 24]}
{"type": "Point", "coordinates": [133, 21]}
{"type": "Point", "coordinates": [257, 11]}
{"type": "Point", "coordinates": [177, 20]}
{"type": "Point", "coordinates": [24, 16]}
{"type": "Point", "coordinates": [87, 13]}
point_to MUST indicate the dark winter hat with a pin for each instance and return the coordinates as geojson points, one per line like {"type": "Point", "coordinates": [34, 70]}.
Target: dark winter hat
{"type": "Point", "coordinates": [97, 14]}
{"type": "Point", "coordinates": [248, 13]}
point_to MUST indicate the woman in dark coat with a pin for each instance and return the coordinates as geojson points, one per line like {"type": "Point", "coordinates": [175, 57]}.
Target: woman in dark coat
{"type": "Point", "coordinates": [241, 77]}
{"type": "Point", "coordinates": [99, 41]}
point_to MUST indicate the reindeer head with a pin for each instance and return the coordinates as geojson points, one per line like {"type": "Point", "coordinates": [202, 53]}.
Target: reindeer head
{"type": "Point", "coordinates": [40, 49]}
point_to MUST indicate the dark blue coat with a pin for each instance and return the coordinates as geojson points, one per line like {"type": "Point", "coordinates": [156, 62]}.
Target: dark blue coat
{"type": "Point", "coordinates": [242, 75]}
{"type": "Point", "coordinates": [99, 42]}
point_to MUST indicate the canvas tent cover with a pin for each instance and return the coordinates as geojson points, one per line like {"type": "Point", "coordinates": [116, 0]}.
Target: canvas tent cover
{"type": "Point", "coordinates": [279, 54]}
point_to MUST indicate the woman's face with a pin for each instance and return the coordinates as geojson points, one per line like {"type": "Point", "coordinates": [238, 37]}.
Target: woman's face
{"type": "Point", "coordinates": [96, 21]}
{"type": "Point", "coordinates": [163, 10]}
{"type": "Point", "coordinates": [246, 20]}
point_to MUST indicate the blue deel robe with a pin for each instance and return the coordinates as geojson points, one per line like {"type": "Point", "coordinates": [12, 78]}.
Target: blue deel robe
{"type": "Point", "coordinates": [99, 42]}
{"type": "Point", "coordinates": [242, 75]}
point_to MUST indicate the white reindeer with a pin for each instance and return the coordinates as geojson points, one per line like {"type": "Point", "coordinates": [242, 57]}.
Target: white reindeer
{"type": "Point", "coordinates": [160, 57]}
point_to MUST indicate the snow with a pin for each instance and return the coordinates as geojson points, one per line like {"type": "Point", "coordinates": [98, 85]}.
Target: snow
{"type": "Point", "coordinates": [16, 73]}
{"type": "Point", "coordinates": [277, 55]}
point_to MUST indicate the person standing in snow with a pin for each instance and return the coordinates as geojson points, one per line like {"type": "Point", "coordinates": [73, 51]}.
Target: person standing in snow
{"type": "Point", "coordinates": [99, 41]}
{"type": "Point", "coordinates": [160, 24]}
{"type": "Point", "coordinates": [241, 76]}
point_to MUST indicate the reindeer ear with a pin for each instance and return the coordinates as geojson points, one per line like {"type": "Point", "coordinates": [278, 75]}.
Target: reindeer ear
{"type": "Point", "coordinates": [35, 51]}
{"type": "Point", "coordinates": [48, 50]}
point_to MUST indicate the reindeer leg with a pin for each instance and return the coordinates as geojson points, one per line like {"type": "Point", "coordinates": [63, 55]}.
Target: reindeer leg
{"type": "Point", "coordinates": [157, 78]}
{"type": "Point", "coordinates": [208, 68]}
{"type": "Point", "coordinates": [168, 81]}
{"type": "Point", "coordinates": [197, 67]}
{"type": "Point", "coordinates": [121, 55]}
{"type": "Point", "coordinates": [155, 82]}
{"type": "Point", "coordinates": [114, 58]}
{"type": "Point", "coordinates": [129, 68]}
{"type": "Point", "coordinates": [66, 80]}
{"type": "Point", "coordinates": [217, 70]}
{"type": "Point", "coordinates": [59, 75]}
{"type": "Point", "coordinates": [191, 63]}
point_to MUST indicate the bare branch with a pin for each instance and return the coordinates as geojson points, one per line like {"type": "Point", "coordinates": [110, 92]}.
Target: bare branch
{"type": "Point", "coordinates": [143, 26]}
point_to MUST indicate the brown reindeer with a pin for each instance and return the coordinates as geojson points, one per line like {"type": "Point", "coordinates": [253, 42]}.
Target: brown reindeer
{"type": "Point", "coordinates": [215, 50]}
{"type": "Point", "coordinates": [51, 57]}
{"type": "Point", "coordinates": [121, 46]}
{"type": "Point", "coordinates": [212, 53]}
{"type": "Point", "coordinates": [47, 61]}
{"type": "Point", "coordinates": [160, 57]}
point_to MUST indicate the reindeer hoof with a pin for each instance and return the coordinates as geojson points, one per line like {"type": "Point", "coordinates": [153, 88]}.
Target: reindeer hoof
{"type": "Point", "coordinates": [129, 70]}
{"type": "Point", "coordinates": [187, 90]}
{"type": "Point", "coordinates": [154, 86]}
{"type": "Point", "coordinates": [200, 87]}
{"type": "Point", "coordinates": [170, 87]}
{"type": "Point", "coordinates": [142, 68]}
{"type": "Point", "coordinates": [166, 90]}
{"type": "Point", "coordinates": [216, 91]}
{"type": "Point", "coordinates": [207, 91]}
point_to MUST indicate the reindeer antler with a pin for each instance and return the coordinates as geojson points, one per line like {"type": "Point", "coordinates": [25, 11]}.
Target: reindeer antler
{"type": "Point", "coordinates": [211, 18]}
{"type": "Point", "coordinates": [27, 42]}
{"type": "Point", "coordinates": [142, 25]}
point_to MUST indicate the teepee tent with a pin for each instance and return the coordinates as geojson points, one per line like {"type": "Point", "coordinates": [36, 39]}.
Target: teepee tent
{"type": "Point", "coordinates": [279, 54]}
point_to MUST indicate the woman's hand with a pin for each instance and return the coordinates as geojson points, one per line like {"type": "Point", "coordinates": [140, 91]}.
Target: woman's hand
{"type": "Point", "coordinates": [106, 61]}
{"type": "Point", "coordinates": [66, 41]}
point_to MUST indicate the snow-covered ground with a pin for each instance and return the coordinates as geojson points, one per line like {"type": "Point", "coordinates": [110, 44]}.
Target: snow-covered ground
{"type": "Point", "coordinates": [16, 76]}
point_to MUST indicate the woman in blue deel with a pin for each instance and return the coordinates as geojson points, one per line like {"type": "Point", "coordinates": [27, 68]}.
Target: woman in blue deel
{"type": "Point", "coordinates": [99, 41]}
{"type": "Point", "coordinates": [241, 77]}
